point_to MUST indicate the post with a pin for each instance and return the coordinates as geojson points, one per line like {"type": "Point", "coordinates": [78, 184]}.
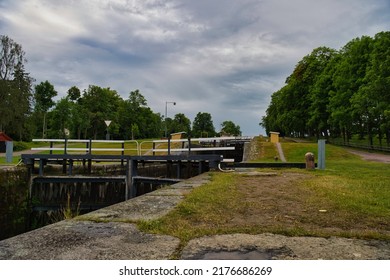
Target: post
{"type": "Point", "coordinates": [90, 147]}
{"type": "Point", "coordinates": [9, 147]}
{"type": "Point", "coordinates": [70, 170]}
{"type": "Point", "coordinates": [41, 164]}
{"type": "Point", "coordinates": [189, 145]}
{"type": "Point", "coordinates": [321, 154]}
{"type": "Point", "coordinates": [309, 158]}
{"type": "Point", "coordinates": [169, 145]}
{"type": "Point", "coordinates": [122, 153]}
{"type": "Point", "coordinates": [66, 146]}
{"type": "Point", "coordinates": [131, 171]}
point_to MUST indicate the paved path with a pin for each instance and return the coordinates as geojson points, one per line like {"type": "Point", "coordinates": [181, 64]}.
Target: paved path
{"type": "Point", "coordinates": [280, 151]}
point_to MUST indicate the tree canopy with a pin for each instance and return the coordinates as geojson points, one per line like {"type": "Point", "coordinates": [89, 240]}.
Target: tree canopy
{"type": "Point", "coordinates": [337, 93]}
{"type": "Point", "coordinates": [15, 88]}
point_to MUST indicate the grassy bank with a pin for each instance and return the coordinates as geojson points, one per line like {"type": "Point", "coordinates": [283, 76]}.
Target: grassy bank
{"type": "Point", "coordinates": [351, 198]}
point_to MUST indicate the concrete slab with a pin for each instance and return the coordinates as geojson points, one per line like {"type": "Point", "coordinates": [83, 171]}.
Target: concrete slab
{"type": "Point", "coordinates": [279, 247]}
{"type": "Point", "coordinates": [84, 240]}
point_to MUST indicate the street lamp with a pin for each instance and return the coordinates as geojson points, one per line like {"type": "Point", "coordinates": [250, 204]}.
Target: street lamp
{"type": "Point", "coordinates": [166, 114]}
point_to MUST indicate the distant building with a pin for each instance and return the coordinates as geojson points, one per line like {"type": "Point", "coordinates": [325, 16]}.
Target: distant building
{"type": "Point", "coordinates": [3, 139]}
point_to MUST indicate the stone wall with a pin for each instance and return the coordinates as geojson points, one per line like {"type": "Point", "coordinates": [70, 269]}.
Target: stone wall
{"type": "Point", "coordinates": [13, 201]}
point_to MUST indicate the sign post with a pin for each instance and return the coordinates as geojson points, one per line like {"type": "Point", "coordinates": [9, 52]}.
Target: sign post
{"type": "Point", "coordinates": [108, 133]}
{"type": "Point", "coordinates": [321, 154]}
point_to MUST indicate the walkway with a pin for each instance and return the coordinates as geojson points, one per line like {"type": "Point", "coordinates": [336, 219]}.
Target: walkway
{"type": "Point", "coordinates": [280, 151]}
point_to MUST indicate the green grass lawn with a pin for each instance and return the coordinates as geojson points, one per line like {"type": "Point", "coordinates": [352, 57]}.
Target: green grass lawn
{"type": "Point", "coordinates": [354, 195]}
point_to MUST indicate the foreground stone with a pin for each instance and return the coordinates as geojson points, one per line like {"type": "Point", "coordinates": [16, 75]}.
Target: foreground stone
{"type": "Point", "coordinates": [278, 247]}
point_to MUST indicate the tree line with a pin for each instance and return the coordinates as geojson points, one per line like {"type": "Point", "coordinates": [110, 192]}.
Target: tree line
{"type": "Point", "coordinates": [29, 110]}
{"type": "Point", "coordinates": [337, 93]}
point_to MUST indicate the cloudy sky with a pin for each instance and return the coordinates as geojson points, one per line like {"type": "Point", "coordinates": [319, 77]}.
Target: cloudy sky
{"type": "Point", "coordinates": [224, 57]}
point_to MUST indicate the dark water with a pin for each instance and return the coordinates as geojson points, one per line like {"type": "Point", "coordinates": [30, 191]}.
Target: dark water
{"type": "Point", "coordinates": [238, 255]}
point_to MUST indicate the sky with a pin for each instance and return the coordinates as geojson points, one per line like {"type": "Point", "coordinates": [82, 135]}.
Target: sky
{"type": "Point", "coordinates": [221, 57]}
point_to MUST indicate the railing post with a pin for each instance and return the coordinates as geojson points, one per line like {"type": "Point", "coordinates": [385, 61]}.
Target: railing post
{"type": "Point", "coordinates": [123, 152]}
{"type": "Point", "coordinates": [90, 147]}
{"type": "Point", "coordinates": [189, 145]}
{"type": "Point", "coordinates": [66, 146]}
{"type": "Point", "coordinates": [169, 145]}
{"type": "Point", "coordinates": [51, 147]}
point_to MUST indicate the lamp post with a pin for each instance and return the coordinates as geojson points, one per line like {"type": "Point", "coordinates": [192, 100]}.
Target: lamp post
{"type": "Point", "coordinates": [166, 114]}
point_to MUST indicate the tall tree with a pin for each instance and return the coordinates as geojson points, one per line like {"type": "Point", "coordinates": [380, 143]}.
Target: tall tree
{"type": "Point", "coordinates": [203, 125]}
{"type": "Point", "coordinates": [102, 104]}
{"type": "Point", "coordinates": [229, 127]}
{"type": "Point", "coordinates": [180, 123]}
{"type": "Point", "coordinates": [44, 94]}
{"type": "Point", "coordinates": [349, 76]}
{"type": "Point", "coordinates": [129, 115]}
{"type": "Point", "coordinates": [61, 118]}
{"type": "Point", "coordinates": [15, 88]}
{"type": "Point", "coordinates": [74, 93]}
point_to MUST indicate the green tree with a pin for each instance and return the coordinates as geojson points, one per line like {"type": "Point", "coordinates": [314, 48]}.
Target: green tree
{"type": "Point", "coordinates": [60, 118]}
{"type": "Point", "coordinates": [180, 123]}
{"type": "Point", "coordinates": [44, 94]}
{"type": "Point", "coordinates": [230, 128]}
{"type": "Point", "coordinates": [203, 125]}
{"type": "Point", "coordinates": [130, 114]}
{"type": "Point", "coordinates": [349, 76]}
{"type": "Point", "coordinates": [101, 104]}
{"type": "Point", "coordinates": [15, 89]}
{"type": "Point", "coordinates": [372, 100]}
{"type": "Point", "coordinates": [74, 93]}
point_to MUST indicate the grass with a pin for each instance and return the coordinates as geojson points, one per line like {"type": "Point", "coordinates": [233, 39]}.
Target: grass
{"type": "Point", "coordinates": [353, 196]}
{"type": "Point", "coordinates": [207, 210]}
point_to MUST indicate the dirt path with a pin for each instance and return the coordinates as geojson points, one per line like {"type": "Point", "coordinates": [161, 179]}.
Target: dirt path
{"type": "Point", "coordinates": [371, 156]}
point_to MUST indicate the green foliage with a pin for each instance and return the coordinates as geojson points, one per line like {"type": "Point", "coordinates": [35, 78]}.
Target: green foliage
{"type": "Point", "coordinates": [44, 94]}
{"type": "Point", "coordinates": [180, 123]}
{"type": "Point", "coordinates": [203, 125]}
{"type": "Point", "coordinates": [15, 90]}
{"type": "Point", "coordinates": [230, 128]}
{"type": "Point", "coordinates": [337, 93]}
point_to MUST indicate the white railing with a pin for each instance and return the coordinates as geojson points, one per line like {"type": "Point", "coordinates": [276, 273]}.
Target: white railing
{"type": "Point", "coordinates": [212, 145]}
{"type": "Point", "coordinates": [88, 148]}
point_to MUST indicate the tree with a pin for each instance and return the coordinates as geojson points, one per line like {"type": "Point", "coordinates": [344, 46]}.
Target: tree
{"type": "Point", "coordinates": [44, 94]}
{"type": "Point", "coordinates": [203, 125]}
{"type": "Point", "coordinates": [230, 128]}
{"type": "Point", "coordinates": [12, 58]}
{"type": "Point", "coordinates": [129, 116]}
{"type": "Point", "coordinates": [15, 88]}
{"type": "Point", "coordinates": [343, 92]}
{"type": "Point", "coordinates": [349, 77]}
{"type": "Point", "coordinates": [74, 93]}
{"type": "Point", "coordinates": [60, 118]}
{"type": "Point", "coordinates": [101, 104]}
{"type": "Point", "coordinates": [180, 123]}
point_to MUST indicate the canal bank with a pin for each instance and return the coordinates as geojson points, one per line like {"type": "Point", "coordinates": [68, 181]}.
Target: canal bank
{"type": "Point", "coordinates": [111, 234]}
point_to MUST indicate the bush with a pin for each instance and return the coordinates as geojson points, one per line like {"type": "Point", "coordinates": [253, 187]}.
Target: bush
{"type": "Point", "coordinates": [20, 146]}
